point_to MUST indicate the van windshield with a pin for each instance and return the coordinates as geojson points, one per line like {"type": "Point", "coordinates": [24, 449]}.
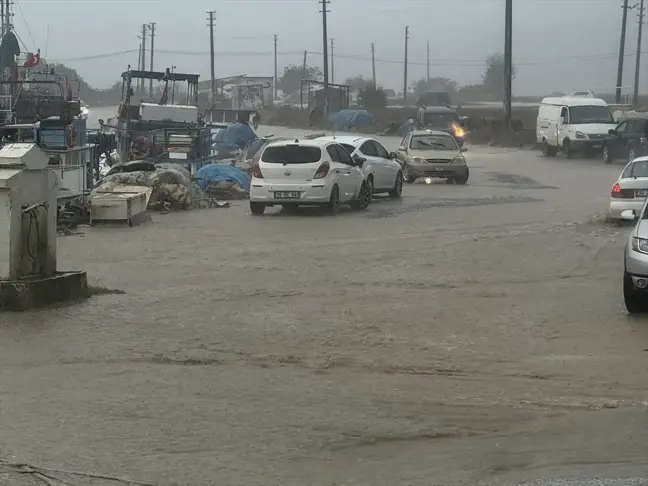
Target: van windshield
{"type": "Point", "coordinates": [590, 114]}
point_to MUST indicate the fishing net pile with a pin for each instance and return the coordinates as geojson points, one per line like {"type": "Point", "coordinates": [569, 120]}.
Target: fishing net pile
{"type": "Point", "coordinates": [171, 187]}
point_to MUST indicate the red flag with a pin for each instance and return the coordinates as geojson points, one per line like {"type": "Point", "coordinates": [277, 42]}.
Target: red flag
{"type": "Point", "coordinates": [33, 60]}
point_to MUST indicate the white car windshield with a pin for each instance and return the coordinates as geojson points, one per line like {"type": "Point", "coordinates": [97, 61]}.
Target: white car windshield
{"type": "Point", "coordinates": [433, 142]}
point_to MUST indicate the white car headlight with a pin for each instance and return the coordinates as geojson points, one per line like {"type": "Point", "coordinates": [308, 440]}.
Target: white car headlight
{"type": "Point", "coordinates": [640, 245]}
{"type": "Point", "coordinates": [418, 160]}
{"type": "Point", "coordinates": [459, 159]}
{"type": "Point", "coordinates": [580, 135]}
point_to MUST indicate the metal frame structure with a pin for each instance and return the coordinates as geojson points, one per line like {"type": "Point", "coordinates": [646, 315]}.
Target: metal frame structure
{"type": "Point", "coordinates": [344, 93]}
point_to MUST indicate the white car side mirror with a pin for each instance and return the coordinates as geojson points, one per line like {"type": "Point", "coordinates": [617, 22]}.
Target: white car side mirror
{"type": "Point", "coordinates": [628, 215]}
{"type": "Point", "coordinates": [401, 149]}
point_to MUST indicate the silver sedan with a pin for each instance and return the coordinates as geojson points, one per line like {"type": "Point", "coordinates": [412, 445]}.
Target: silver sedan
{"type": "Point", "coordinates": [631, 188]}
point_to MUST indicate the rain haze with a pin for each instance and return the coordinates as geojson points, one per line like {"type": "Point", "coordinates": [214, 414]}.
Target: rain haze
{"type": "Point", "coordinates": [240, 284]}
{"type": "Point", "coordinates": [559, 45]}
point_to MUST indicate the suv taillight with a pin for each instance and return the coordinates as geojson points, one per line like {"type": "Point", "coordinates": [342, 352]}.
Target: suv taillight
{"type": "Point", "coordinates": [256, 171]}
{"type": "Point", "coordinates": [322, 171]}
{"type": "Point", "coordinates": [619, 193]}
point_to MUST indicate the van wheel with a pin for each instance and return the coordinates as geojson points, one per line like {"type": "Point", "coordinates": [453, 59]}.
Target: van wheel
{"type": "Point", "coordinates": [567, 150]}
{"type": "Point", "coordinates": [548, 150]}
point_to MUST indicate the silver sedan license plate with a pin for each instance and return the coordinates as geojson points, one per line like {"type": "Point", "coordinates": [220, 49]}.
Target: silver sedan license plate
{"type": "Point", "coordinates": [641, 192]}
{"type": "Point", "coordinates": [287, 195]}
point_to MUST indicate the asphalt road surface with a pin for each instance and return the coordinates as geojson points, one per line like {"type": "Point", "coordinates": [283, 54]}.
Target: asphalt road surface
{"type": "Point", "coordinates": [461, 335]}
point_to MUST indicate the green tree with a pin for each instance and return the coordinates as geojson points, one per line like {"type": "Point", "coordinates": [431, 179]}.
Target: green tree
{"type": "Point", "coordinates": [493, 78]}
{"type": "Point", "coordinates": [290, 82]}
{"type": "Point", "coordinates": [445, 85]}
{"type": "Point", "coordinates": [372, 97]}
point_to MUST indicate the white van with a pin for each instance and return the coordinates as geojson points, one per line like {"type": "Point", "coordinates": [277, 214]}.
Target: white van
{"type": "Point", "coordinates": [573, 124]}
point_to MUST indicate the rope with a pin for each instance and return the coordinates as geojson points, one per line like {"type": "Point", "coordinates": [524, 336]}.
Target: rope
{"type": "Point", "coordinates": [25, 22]}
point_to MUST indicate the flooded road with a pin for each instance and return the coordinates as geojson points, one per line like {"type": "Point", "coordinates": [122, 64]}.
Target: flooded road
{"type": "Point", "coordinates": [462, 335]}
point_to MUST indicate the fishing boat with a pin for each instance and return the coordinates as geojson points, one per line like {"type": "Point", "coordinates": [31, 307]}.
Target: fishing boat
{"type": "Point", "coordinates": [163, 130]}
{"type": "Point", "coordinates": [39, 106]}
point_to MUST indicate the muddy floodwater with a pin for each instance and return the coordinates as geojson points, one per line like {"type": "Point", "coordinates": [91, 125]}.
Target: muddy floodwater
{"type": "Point", "coordinates": [461, 335]}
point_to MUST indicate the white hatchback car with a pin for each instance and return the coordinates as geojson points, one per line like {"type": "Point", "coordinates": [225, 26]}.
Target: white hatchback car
{"type": "Point", "coordinates": [631, 188]}
{"type": "Point", "coordinates": [316, 172]}
{"type": "Point", "coordinates": [382, 170]}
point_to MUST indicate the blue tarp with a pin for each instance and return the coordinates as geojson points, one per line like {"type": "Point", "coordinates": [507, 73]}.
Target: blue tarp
{"type": "Point", "coordinates": [212, 173]}
{"type": "Point", "coordinates": [349, 119]}
{"type": "Point", "coordinates": [234, 136]}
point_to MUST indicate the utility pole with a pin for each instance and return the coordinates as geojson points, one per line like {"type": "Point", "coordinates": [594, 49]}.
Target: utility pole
{"type": "Point", "coordinates": [428, 62]}
{"type": "Point", "coordinates": [142, 66]}
{"type": "Point", "coordinates": [635, 98]}
{"type": "Point", "coordinates": [325, 48]}
{"type": "Point", "coordinates": [7, 17]}
{"type": "Point", "coordinates": [405, 68]}
{"type": "Point", "coordinates": [152, 27]}
{"type": "Point", "coordinates": [2, 17]}
{"type": "Point", "coordinates": [373, 62]}
{"type": "Point", "coordinates": [139, 64]}
{"type": "Point", "coordinates": [275, 68]}
{"type": "Point", "coordinates": [304, 65]}
{"type": "Point", "coordinates": [332, 61]}
{"type": "Point", "coordinates": [624, 21]}
{"type": "Point", "coordinates": [508, 62]}
{"type": "Point", "coordinates": [211, 57]}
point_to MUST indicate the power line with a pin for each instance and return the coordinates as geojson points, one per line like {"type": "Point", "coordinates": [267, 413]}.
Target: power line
{"type": "Point", "coordinates": [449, 63]}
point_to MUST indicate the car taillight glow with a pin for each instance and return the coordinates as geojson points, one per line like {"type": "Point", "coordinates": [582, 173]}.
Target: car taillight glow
{"type": "Point", "coordinates": [619, 193]}
{"type": "Point", "coordinates": [256, 171]}
{"type": "Point", "coordinates": [322, 171]}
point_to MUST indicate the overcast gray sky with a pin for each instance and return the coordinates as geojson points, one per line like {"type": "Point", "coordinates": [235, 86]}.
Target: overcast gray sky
{"type": "Point", "coordinates": [559, 45]}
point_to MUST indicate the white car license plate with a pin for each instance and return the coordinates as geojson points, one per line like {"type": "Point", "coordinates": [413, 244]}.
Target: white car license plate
{"type": "Point", "coordinates": [287, 195]}
{"type": "Point", "coordinates": [641, 192]}
{"type": "Point", "coordinates": [596, 145]}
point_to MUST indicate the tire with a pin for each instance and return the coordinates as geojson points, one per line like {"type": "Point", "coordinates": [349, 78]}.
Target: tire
{"type": "Point", "coordinates": [632, 154]}
{"type": "Point", "coordinates": [370, 183]}
{"type": "Point", "coordinates": [398, 186]}
{"type": "Point", "coordinates": [567, 148]}
{"type": "Point", "coordinates": [406, 176]}
{"type": "Point", "coordinates": [605, 155]}
{"type": "Point", "coordinates": [548, 150]}
{"type": "Point", "coordinates": [364, 198]}
{"type": "Point", "coordinates": [333, 206]}
{"type": "Point", "coordinates": [634, 301]}
{"type": "Point", "coordinates": [257, 209]}
{"type": "Point", "coordinates": [461, 180]}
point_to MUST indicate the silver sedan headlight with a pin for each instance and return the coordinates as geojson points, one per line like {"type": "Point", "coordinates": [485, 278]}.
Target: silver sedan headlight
{"type": "Point", "coordinates": [640, 245]}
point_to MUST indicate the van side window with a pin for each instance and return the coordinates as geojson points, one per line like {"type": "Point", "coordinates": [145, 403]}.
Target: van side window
{"type": "Point", "coordinates": [564, 114]}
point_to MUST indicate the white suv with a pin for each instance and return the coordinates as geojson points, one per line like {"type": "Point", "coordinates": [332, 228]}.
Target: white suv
{"type": "Point", "coordinates": [308, 173]}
